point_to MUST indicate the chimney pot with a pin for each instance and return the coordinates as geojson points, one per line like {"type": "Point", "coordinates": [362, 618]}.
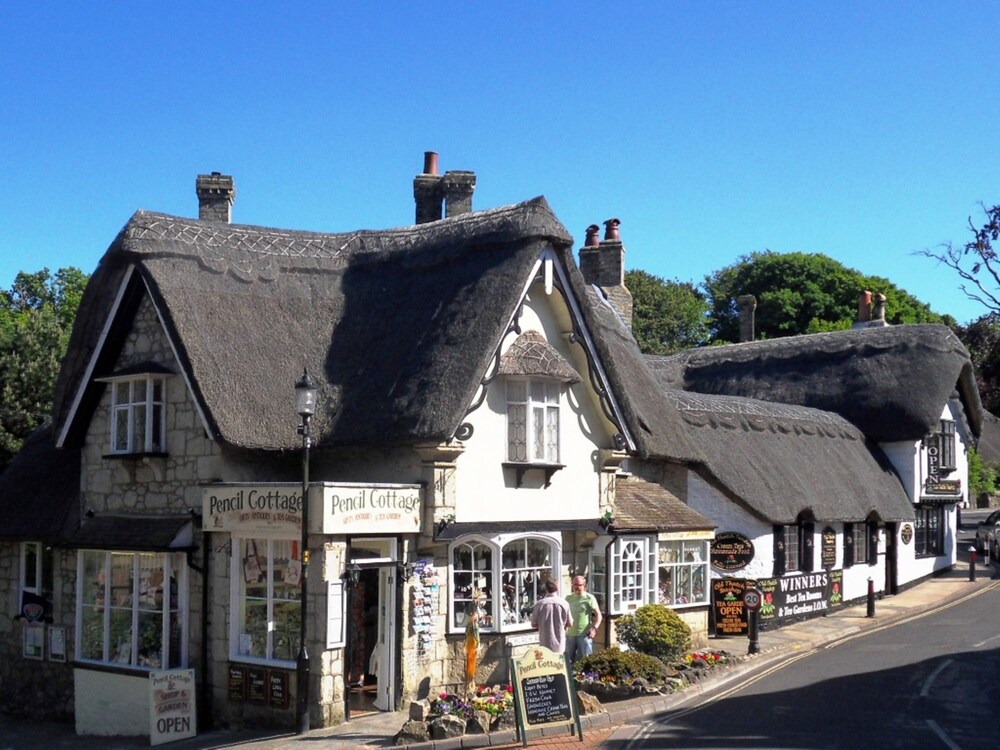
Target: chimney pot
{"type": "Point", "coordinates": [592, 239]}
{"type": "Point", "coordinates": [216, 193]}
{"type": "Point", "coordinates": [430, 162]}
{"type": "Point", "coordinates": [611, 230]}
{"type": "Point", "coordinates": [864, 306]}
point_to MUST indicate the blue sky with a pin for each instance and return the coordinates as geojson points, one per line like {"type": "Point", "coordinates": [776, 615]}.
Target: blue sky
{"type": "Point", "coordinates": [864, 131]}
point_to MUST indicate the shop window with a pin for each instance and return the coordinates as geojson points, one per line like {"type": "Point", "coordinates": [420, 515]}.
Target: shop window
{"type": "Point", "coordinates": [633, 573]}
{"type": "Point", "coordinates": [132, 609]}
{"type": "Point", "coordinates": [533, 421]}
{"type": "Point", "coordinates": [520, 564]}
{"type": "Point", "coordinates": [683, 570]}
{"type": "Point", "coordinates": [928, 536]}
{"type": "Point", "coordinates": [267, 608]}
{"type": "Point", "coordinates": [946, 445]}
{"type": "Point", "coordinates": [137, 419]}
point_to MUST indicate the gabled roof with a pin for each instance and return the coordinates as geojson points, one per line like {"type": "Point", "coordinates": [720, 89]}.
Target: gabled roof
{"type": "Point", "coordinates": [891, 382]}
{"type": "Point", "coordinates": [40, 490]}
{"type": "Point", "coordinates": [398, 326]}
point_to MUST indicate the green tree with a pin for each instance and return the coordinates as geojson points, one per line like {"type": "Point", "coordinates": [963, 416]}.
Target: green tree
{"type": "Point", "coordinates": [667, 316]}
{"type": "Point", "coordinates": [982, 338]}
{"type": "Point", "coordinates": [36, 316]}
{"type": "Point", "coordinates": [802, 293]}
{"type": "Point", "coordinates": [976, 261]}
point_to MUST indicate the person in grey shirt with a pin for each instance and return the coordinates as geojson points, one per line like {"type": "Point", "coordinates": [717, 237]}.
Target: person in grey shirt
{"type": "Point", "coordinates": [551, 616]}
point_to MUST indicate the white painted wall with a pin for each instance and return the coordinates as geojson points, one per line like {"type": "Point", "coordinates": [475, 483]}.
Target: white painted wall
{"type": "Point", "coordinates": [109, 703]}
{"type": "Point", "coordinates": [488, 492]}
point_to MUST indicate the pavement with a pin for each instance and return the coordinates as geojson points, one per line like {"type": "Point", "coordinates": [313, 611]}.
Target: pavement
{"type": "Point", "coordinates": [618, 721]}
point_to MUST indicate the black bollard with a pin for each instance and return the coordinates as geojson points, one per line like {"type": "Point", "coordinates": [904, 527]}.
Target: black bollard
{"type": "Point", "coordinates": [972, 564]}
{"type": "Point", "coordinates": [754, 647]}
{"type": "Point", "coordinates": [871, 598]}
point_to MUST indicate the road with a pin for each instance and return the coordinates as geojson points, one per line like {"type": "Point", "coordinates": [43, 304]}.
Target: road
{"type": "Point", "coordinates": [932, 681]}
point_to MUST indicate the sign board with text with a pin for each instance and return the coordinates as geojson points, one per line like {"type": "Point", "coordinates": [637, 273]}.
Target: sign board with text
{"type": "Point", "coordinates": [172, 706]}
{"type": "Point", "coordinates": [371, 508]}
{"type": "Point", "coordinates": [544, 692]}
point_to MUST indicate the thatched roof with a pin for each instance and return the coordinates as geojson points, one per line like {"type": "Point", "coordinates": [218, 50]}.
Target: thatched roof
{"type": "Point", "coordinates": [40, 490]}
{"type": "Point", "coordinates": [892, 382]}
{"type": "Point", "coordinates": [778, 460]}
{"type": "Point", "coordinates": [398, 326]}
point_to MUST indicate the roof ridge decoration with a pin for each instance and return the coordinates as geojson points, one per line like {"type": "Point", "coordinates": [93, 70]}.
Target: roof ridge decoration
{"type": "Point", "coordinates": [532, 355]}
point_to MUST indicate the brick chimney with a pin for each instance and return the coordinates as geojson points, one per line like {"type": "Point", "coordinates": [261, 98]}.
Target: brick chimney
{"type": "Point", "coordinates": [603, 264]}
{"type": "Point", "coordinates": [216, 193]}
{"type": "Point", "coordinates": [430, 190]}
{"type": "Point", "coordinates": [457, 188]}
{"type": "Point", "coordinates": [427, 190]}
{"type": "Point", "coordinates": [747, 304]}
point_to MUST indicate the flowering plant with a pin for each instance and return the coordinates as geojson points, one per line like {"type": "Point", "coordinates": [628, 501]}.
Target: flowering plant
{"type": "Point", "coordinates": [711, 658]}
{"type": "Point", "coordinates": [493, 700]}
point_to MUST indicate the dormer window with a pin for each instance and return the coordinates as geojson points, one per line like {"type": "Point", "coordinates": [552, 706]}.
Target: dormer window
{"type": "Point", "coordinates": [137, 419]}
{"type": "Point", "coordinates": [533, 421]}
{"type": "Point", "coordinates": [535, 374]}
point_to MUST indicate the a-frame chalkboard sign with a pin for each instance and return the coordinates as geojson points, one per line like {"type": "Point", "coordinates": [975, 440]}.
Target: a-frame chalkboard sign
{"type": "Point", "coordinates": [544, 692]}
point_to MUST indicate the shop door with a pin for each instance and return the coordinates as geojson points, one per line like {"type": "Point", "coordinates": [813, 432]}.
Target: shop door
{"type": "Point", "coordinates": [372, 628]}
{"type": "Point", "coordinates": [385, 649]}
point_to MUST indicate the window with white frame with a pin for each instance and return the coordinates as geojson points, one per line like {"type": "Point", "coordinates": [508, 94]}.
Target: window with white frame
{"type": "Point", "coordinates": [946, 445]}
{"type": "Point", "coordinates": [267, 600]}
{"type": "Point", "coordinates": [520, 564]}
{"type": "Point", "coordinates": [37, 569]}
{"type": "Point", "coordinates": [633, 573]}
{"type": "Point", "coordinates": [683, 570]}
{"type": "Point", "coordinates": [533, 421]}
{"type": "Point", "coordinates": [132, 609]}
{"type": "Point", "coordinates": [598, 583]}
{"type": "Point", "coordinates": [137, 418]}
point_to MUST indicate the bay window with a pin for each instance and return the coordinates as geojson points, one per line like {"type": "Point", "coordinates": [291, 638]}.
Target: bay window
{"type": "Point", "coordinates": [266, 607]}
{"type": "Point", "coordinates": [132, 609]}
{"type": "Point", "coordinates": [501, 577]}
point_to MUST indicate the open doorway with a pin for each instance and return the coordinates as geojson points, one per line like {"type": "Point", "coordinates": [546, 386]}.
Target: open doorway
{"type": "Point", "coordinates": [371, 628]}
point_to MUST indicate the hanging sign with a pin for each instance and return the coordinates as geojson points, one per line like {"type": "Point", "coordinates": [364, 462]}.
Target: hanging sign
{"type": "Point", "coordinates": [731, 551]}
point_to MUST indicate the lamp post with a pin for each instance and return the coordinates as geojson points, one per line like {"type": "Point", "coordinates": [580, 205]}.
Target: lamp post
{"type": "Point", "coordinates": [305, 405]}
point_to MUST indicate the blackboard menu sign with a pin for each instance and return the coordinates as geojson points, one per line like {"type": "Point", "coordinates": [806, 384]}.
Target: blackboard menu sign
{"type": "Point", "coordinates": [257, 686]}
{"type": "Point", "coordinates": [543, 691]}
{"type": "Point", "coordinates": [237, 683]}
{"type": "Point", "coordinates": [277, 688]}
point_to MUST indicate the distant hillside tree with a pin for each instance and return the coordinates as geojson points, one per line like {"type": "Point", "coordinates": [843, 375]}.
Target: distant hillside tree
{"type": "Point", "coordinates": [976, 261]}
{"type": "Point", "coordinates": [667, 316]}
{"type": "Point", "coordinates": [802, 293]}
{"type": "Point", "coordinates": [36, 316]}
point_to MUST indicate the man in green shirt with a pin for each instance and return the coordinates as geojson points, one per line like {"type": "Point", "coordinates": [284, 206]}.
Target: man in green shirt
{"type": "Point", "coordinates": [586, 619]}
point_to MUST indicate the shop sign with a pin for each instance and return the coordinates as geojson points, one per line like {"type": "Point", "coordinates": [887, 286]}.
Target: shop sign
{"type": "Point", "coordinates": [728, 606]}
{"type": "Point", "coordinates": [371, 508]}
{"type": "Point", "coordinates": [544, 692]}
{"type": "Point", "coordinates": [828, 548]}
{"type": "Point", "coordinates": [906, 533]}
{"type": "Point", "coordinates": [253, 508]}
{"type": "Point", "coordinates": [950, 487]}
{"type": "Point", "coordinates": [731, 551]}
{"type": "Point", "coordinates": [172, 706]}
{"type": "Point", "coordinates": [800, 595]}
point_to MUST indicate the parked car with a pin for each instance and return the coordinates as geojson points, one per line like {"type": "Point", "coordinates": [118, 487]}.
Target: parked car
{"type": "Point", "coordinates": [987, 532]}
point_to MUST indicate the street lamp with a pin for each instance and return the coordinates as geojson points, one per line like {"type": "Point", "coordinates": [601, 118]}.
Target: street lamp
{"type": "Point", "coordinates": [305, 405]}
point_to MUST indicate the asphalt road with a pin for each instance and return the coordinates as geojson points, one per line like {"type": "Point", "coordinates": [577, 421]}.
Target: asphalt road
{"type": "Point", "coordinates": [932, 681]}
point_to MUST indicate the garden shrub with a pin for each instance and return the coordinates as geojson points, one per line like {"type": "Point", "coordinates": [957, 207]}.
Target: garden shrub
{"type": "Point", "coordinates": [656, 630]}
{"type": "Point", "coordinates": [613, 664]}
